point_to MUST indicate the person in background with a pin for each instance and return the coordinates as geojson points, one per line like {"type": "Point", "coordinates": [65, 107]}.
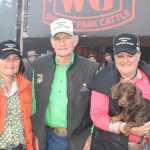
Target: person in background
{"type": "Point", "coordinates": [92, 57]}
{"type": "Point", "coordinates": [61, 106]}
{"type": "Point", "coordinates": [108, 57]}
{"type": "Point", "coordinates": [15, 100]}
{"type": "Point", "coordinates": [127, 67]}
{"type": "Point", "coordinates": [32, 55]}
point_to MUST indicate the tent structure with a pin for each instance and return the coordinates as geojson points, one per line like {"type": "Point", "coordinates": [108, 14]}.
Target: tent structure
{"type": "Point", "coordinates": [96, 22]}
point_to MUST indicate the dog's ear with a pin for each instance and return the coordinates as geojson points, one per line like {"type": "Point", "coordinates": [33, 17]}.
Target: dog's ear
{"type": "Point", "coordinates": [137, 96]}
{"type": "Point", "coordinates": [114, 91]}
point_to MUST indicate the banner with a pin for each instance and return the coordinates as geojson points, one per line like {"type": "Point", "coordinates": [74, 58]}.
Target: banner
{"type": "Point", "coordinates": [8, 19]}
{"type": "Point", "coordinates": [93, 18]}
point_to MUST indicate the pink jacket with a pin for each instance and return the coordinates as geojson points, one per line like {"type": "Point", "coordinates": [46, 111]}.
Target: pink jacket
{"type": "Point", "coordinates": [100, 102]}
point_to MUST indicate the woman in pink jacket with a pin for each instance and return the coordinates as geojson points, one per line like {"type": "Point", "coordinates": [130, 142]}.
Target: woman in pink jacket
{"type": "Point", "coordinates": [127, 67]}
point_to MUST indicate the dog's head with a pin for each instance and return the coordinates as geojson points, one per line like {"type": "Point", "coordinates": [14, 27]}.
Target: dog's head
{"type": "Point", "coordinates": [126, 93]}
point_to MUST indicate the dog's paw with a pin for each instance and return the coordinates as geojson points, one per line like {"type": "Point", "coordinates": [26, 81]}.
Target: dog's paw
{"type": "Point", "coordinates": [114, 119]}
{"type": "Point", "coordinates": [117, 118]}
{"type": "Point", "coordinates": [126, 130]}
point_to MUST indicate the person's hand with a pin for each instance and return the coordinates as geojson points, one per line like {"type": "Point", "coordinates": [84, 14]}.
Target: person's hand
{"type": "Point", "coordinates": [147, 135]}
{"type": "Point", "coordinates": [36, 145]}
{"type": "Point", "coordinates": [142, 130]}
{"type": "Point", "coordinates": [88, 143]}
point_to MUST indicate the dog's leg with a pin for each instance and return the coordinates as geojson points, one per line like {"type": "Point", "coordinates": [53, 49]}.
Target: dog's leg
{"type": "Point", "coordinates": [117, 118]}
{"type": "Point", "coordinates": [126, 129]}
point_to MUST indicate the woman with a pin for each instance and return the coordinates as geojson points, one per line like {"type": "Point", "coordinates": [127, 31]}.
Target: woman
{"type": "Point", "coordinates": [126, 68]}
{"type": "Point", "coordinates": [15, 100]}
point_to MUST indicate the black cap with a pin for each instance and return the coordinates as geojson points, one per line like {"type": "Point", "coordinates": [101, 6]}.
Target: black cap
{"type": "Point", "coordinates": [108, 54]}
{"type": "Point", "coordinates": [126, 43]}
{"type": "Point", "coordinates": [9, 47]}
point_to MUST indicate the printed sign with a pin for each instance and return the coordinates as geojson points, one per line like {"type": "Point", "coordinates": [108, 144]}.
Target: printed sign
{"type": "Point", "coordinates": [90, 15]}
{"type": "Point", "coordinates": [92, 18]}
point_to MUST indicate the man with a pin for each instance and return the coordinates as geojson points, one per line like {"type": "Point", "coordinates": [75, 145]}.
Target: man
{"type": "Point", "coordinates": [108, 57]}
{"type": "Point", "coordinates": [61, 111]}
{"type": "Point", "coordinates": [32, 55]}
{"type": "Point", "coordinates": [92, 57]}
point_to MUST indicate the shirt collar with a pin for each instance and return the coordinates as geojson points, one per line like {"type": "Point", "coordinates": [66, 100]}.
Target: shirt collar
{"type": "Point", "coordinates": [70, 62]}
{"type": "Point", "coordinates": [139, 75]}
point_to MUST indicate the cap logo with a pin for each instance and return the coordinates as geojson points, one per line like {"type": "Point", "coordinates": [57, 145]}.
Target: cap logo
{"type": "Point", "coordinates": [10, 47]}
{"type": "Point", "coordinates": [125, 41]}
{"type": "Point", "coordinates": [61, 25]}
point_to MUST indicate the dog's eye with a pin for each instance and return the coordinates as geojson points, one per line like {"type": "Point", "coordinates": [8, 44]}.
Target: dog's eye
{"type": "Point", "coordinates": [119, 96]}
{"type": "Point", "coordinates": [131, 93]}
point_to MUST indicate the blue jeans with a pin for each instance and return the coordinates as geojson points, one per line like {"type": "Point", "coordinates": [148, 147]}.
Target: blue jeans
{"type": "Point", "coordinates": [55, 142]}
{"type": "Point", "coordinates": [147, 147]}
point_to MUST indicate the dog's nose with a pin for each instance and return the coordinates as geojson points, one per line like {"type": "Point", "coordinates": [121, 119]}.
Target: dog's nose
{"type": "Point", "coordinates": [122, 103]}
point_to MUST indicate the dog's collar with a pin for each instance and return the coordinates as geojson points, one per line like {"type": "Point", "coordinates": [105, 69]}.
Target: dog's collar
{"type": "Point", "coordinates": [132, 106]}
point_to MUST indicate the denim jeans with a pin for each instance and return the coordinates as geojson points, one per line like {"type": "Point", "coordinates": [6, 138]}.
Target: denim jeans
{"type": "Point", "coordinates": [55, 142]}
{"type": "Point", "coordinates": [147, 147]}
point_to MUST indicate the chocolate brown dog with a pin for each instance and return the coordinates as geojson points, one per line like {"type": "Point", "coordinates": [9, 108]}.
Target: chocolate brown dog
{"type": "Point", "coordinates": [135, 109]}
